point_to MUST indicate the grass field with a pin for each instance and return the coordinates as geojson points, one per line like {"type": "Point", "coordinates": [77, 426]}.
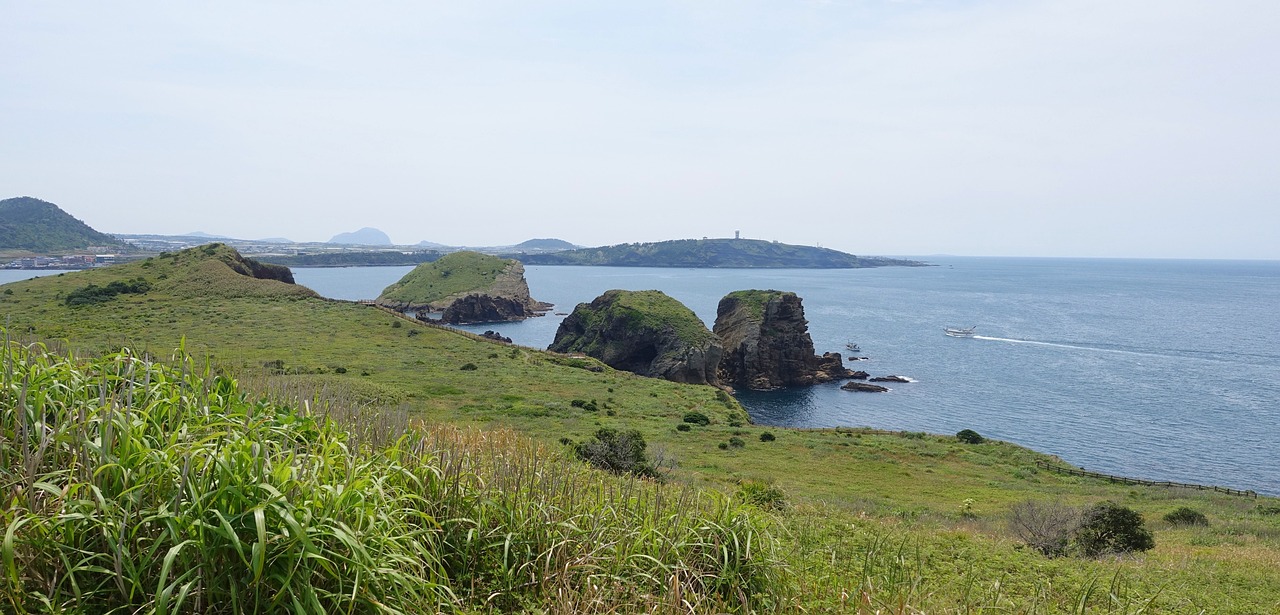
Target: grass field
{"type": "Point", "coordinates": [874, 522]}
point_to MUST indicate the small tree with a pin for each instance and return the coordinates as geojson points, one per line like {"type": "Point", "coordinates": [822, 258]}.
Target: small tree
{"type": "Point", "coordinates": [619, 452]}
{"type": "Point", "coordinates": [969, 436]}
{"type": "Point", "coordinates": [1045, 526]}
{"type": "Point", "coordinates": [1108, 527]}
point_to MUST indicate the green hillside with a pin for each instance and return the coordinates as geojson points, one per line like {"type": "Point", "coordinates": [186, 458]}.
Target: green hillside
{"type": "Point", "coordinates": [862, 521]}
{"type": "Point", "coordinates": [448, 276]}
{"type": "Point", "coordinates": [712, 253]}
{"type": "Point", "coordinates": [33, 225]}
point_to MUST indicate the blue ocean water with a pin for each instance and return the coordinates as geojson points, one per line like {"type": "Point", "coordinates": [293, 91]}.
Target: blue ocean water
{"type": "Point", "coordinates": [1157, 369]}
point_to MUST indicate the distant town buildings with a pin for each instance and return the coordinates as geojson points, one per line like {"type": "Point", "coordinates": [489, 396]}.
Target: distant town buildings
{"type": "Point", "coordinates": [76, 261]}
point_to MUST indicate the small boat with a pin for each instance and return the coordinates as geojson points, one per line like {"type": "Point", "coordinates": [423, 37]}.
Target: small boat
{"type": "Point", "coordinates": [852, 347]}
{"type": "Point", "coordinates": [957, 332]}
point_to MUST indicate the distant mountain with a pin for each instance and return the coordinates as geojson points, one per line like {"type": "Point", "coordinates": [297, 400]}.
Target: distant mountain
{"type": "Point", "coordinates": [205, 235]}
{"type": "Point", "coordinates": [30, 224]}
{"type": "Point", "coordinates": [430, 244]}
{"type": "Point", "coordinates": [713, 253]}
{"type": "Point", "coordinates": [544, 245]}
{"type": "Point", "coordinates": [366, 236]}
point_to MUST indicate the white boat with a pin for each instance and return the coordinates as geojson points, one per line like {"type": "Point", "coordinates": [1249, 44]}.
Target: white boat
{"type": "Point", "coordinates": [852, 347]}
{"type": "Point", "coordinates": [957, 332]}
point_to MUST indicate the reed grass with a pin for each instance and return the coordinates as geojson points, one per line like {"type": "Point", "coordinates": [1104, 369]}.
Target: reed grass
{"type": "Point", "coordinates": [133, 486]}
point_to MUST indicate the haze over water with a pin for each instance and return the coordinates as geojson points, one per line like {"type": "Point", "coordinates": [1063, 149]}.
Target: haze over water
{"type": "Point", "coordinates": [1165, 370]}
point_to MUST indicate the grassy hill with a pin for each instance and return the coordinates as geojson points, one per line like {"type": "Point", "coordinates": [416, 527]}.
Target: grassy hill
{"type": "Point", "coordinates": [862, 521]}
{"type": "Point", "coordinates": [449, 276]}
{"type": "Point", "coordinates": [711, 253]}
{"type": "Point", "coordinates": [33, 225]}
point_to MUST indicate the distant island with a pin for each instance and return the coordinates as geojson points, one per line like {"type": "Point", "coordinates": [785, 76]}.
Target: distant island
{"type": "Point", "coordinates": [714, 253]}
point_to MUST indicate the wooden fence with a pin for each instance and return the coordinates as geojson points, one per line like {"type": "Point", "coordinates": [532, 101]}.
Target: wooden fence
{"type": "Point", "coordinates": [1136, 481]}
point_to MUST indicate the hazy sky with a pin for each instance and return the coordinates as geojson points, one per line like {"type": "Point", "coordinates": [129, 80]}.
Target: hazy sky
{"type": "Point", "coordinates": [1002, 127]}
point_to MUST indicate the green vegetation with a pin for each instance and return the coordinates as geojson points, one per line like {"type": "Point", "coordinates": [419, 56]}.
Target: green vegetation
{"type": "Point", "coordinates": [168, 489]}
{"type": "Point", "coordinates": [969, 436]}
{"type": "Point", "coordinates": [449, 276]}
{"type": "Point", "coordinates": [639, 310]}
{"type": "Point", "coordinates": [618, 452]}
{"type": "Point", "coordinates": [714, 253]}
{"type": "Point", "coordinates": [99, 294]}
{"type": "Point", "coordinates": [38, 226]}
{"type": "Point", "coordinates": [873, 521]}
{"type": "Point", "coordinates": [754, 301]}
{"type": "Point", "coordinates": [1184, 515]}
{"type": "Point", "coordinates": [1108, 527]}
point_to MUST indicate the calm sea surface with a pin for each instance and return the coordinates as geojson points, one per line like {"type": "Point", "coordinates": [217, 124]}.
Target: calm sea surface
{"type": "Point", "coordinates": [1166, 370]}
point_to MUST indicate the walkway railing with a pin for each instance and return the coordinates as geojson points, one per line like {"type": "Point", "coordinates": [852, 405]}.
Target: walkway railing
{"type": "Point", "coordinates": [1137, 481]}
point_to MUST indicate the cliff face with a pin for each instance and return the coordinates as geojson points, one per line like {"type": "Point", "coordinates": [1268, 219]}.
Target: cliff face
{"type": "Point", "coordinates": [484, 308]}
{"type": "Point", "coordinates": [644, 332]}
{"type": "Point", "coordinates": [767, 344]}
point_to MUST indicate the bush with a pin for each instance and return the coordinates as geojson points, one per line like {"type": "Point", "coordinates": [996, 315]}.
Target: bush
{"type": "Point", "coordinates": [619, 452]}
{"type": "Point", "coordinates": [736, 442]}
{"type": "Point", "coordinates": [969, 436]}
{"type": "Point", "coordinates": [1108, 527]}
{"type": "Point", "coordinates": [1186, 516]}
{"type": "Point", "coordinates": [697, 418]}
{"type": "Point", "coordinates": [683, 427]}
{"type": "Point", "coordinates": [1045, 526]}
{"type": "Point", "coordinates": [767, 437]}
{"type": "Point", "coordinates": [589, 406]}
{"type": "Point", "coordinates": [761, 495]}
{"type": "Point", "coordinates": [469, 367]}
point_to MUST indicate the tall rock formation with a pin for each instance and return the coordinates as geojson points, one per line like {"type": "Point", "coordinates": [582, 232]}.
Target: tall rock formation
{"type": "Point", "coordinates": [767, 344]}
{"type": "Point", "coordinates": [645, 332]}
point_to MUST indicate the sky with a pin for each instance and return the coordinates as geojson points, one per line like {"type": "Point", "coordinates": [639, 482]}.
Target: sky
{"type": "Point", "coordinates": [1082, 128]}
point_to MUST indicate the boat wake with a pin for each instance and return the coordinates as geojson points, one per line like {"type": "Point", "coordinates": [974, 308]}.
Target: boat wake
{"type": "Point", "coordinates": [1145, 352]}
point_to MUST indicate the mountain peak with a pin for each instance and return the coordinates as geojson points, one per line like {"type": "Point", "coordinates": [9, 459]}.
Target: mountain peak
{"type": "Point", "coordinates": [367, 236]}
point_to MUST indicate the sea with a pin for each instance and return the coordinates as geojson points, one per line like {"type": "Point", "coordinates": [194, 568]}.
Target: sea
{"type": "Point", "coordinates": [1150, 369]}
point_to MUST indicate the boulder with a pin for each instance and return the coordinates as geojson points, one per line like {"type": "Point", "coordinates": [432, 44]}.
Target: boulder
{"type": "Point", "coordinates": [863, 387]}
{"type": "Point", "coordinates": [644, 332]}
{"type": "Point", "coordinates": [767, 344]}
{"type": "Point", "coordinates": [890, 379]}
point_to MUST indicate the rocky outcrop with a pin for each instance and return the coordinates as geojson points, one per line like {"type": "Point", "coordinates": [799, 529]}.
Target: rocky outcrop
{"type": "Point", "coordinates": [644, 332]}
{"type": "Point", "coordinates": [863, 387]}
{"type": "Point", "coordinates": [495, 336]}
{"type": "Point", "coordinates": [767, 344]}
{"type": "Point", "coordinates": [466, 287]}
{"type": "Point", "coordinates": [484, 308]}
{"type": "Point", "coordinates": [890, 379]}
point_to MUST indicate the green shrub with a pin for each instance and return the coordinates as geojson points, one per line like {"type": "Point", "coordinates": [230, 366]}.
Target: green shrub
{"type": "Point", "coordinates": [736, 442]}
{"type": "Point", "coordinates": [767, 437]}
{"type": "Point", "coordinates": [969, 436]}
{"type": "Point", "coordinates": [1108, 527]}
{"type": "Point", "coordinates": [469, 367]}
{"type": "Point", "coordinates": [761, 495]}
{"type": "Point", "coordinates": [589, 406]}
{"type": "Point", "coordinates": [619, 452]}
{"type": "Point", "coordinates": [683, 427]}
{"type": "Point", "coordinates": [697, 418]}
{"type": "Point", "coordinates": [1186, 516]}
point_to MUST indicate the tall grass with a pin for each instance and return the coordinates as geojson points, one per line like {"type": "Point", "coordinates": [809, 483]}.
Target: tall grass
{"type": "Point", "coordinates": [131, 486]}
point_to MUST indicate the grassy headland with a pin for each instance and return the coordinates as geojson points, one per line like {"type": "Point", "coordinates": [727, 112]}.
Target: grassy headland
{"type": "Point", "coordinates": [873, 522]}
{"type": "Point", "coordinates": [724, 253]}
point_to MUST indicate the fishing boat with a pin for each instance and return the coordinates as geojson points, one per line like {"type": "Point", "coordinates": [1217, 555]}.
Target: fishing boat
{"type": "Point", "coordinates": [957, 332]}
{"type": "Point", "coordinates": [852, 347]}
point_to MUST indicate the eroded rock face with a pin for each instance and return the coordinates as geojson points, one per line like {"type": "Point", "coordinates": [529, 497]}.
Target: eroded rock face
{"type": "Point", "coordinates": [484, 308]}
{"type": "Point", "coordinates": [644, 332]}
{"type": "Point", "coordinates": [767, 344]}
